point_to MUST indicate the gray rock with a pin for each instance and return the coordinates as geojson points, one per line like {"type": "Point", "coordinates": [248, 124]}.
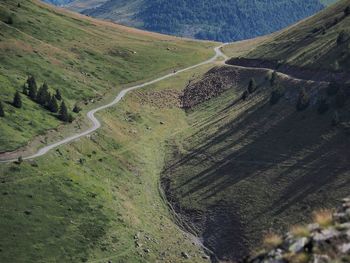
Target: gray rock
{"type": "Point", "coordinates": [326, 234]}
{"type": "Point", "coordinates": [344, 248]}
{"type": "Point", "coordinates": [321, 259]}
{"type": "Point", "coordinates": [299, 245]}
{"type": "Point", "coordinates": [344, 226]}
{"type": "Point", "coordinates": [185, 255]}
{"type": "Point", "coordinates": [313, 227]}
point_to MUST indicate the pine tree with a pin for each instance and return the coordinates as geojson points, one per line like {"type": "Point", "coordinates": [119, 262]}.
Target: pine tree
{"type": "Point", "coordinates": [43, 97]}
{"type": "Point", "coordinates": [17, 100]}
{"type": "Point", "coordinates": [252, 86]}
{"type": "Point", "coordinates": [63, 113]}
{"type": "Point", "coordinates": [58, 95]}
{"type": "Point", "coordinates": [2, 112]}
{"type": "Point", "coordinates": [53, 106]}
{"type": "Point", "coordinates": [32, 87]}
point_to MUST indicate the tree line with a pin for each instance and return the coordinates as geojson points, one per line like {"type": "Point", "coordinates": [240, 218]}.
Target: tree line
{"type": "Point", "coordinates": [53, 102]}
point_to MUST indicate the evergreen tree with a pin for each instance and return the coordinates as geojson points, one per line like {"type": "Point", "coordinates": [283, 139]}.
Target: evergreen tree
{"type": "Point", "coordinates": [17, 100]}
{"type": "Point", "coordinates": [2, 112]}
{"type": "Point", "coordinates": [76, 109]}
{"type": "Point", "coordinates": [63, 113]}
{"type": "Point", "coordinates": [32, 87]}
{"type": "Point", "coordinates": [53, 106]}
{"type": "Point", "coordinates": [252, 86]}
{"type": "Point", "coordinates": [43, 97]}
{"type": "Point", "coordinates": [58, 95]}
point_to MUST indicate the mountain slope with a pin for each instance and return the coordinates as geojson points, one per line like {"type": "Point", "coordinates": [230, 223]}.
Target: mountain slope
{"type": "Point", "coordinates": [83, 58]}
{"type": "Point", "coordinates": [321, 42]}
{"type": "Point", "coordinates": [252, 162]}
{"type": "Point", "coordinates": [219, 20]}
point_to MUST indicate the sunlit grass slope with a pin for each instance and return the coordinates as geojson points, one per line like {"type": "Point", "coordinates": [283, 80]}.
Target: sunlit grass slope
{"type": "Point", "coordinates": [86, 59]}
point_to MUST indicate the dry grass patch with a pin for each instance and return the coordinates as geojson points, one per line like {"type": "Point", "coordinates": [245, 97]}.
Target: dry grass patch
{"type": "Point", "coordinates": [323, 217]}
{"type": "Point", "coordinates": [300, 231]}
{"type": "Point", "coordinates": [272, 240]}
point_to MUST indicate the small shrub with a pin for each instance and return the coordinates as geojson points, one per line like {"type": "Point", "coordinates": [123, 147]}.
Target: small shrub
{"type": "Point", "coordinates": [303, 100]}
{"type": "Point", "coordinates": [323, 106]}
{"type": "Point", "coordinates": [300, 231]}
{"type": "Point", "coordinates": [2, 112]}
{"type": "Point", "coordinates": [17, 100]}
{"type": "Point", "coordinates": [9, 20]}
{"type": "Point", "coordinates": [323, 217]}
{"type": "Point", "coordinates": [76, 109]}
{"type": "Point", "coordinates": [273, 79]}
{"type": "Point", "coordinates": [272, 240]}
{"type": "Point", "coordinates": [245, 95]}
{"type": "Point", "coordinates": [20, 160]}
{"type": "Point", "coordinates": [343, 37]}
{"type": "Point", "coordinates": [252, 86]}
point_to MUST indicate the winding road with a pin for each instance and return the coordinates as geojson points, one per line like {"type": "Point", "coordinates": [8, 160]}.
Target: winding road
{"type": "Point", "coordinates": [96, 124]}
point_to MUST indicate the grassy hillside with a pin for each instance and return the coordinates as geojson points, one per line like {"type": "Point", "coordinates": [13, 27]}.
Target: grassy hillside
{"type": "Point", "coordinates": [219, 20]}
{"type": "Point", "coordinates": [251, 164]}
{"type": "Point", "coordinates": [98, 199]}
{"type": "Point", "coordinates": [320, 42]}
{"type": "Point", "coordinates": [85, 59]}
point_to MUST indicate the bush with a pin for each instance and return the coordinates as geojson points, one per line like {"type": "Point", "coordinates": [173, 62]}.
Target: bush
{"type": "Point", "coordinates": [276, 94]}
{"type": "Point", "coordinates": [76, 109]}
{"type": "Point", "coordinates": [273, 79]}
{"type": "Point", "coordinates": [343, 37]}
{"type": "Point", "coordinates": [9, 20]}
{"type": "Point", "coordinates": [303, 100]}
{"type": "Point", "coordinates": [252, 86]}
{"type": "Point", "coordinates": [245, 95]}
{"type": "Point", "coordinates": [17, 100]}
{"type": "Point", "coordinates": [323, 106]}
{"type": "Point", "coordinates": [2, 112]}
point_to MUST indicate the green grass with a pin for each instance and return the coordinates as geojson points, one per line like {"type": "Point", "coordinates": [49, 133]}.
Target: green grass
{"type": "Point", "coordinates": [84, 58]}
{"type": "Point", "coordinates": [305, 45]}
{"type": "Point", "coordinates": [87, 200]}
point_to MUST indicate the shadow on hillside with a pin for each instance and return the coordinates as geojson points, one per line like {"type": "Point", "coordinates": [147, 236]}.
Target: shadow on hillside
{"type": "Point", "coordinates": [272, 155]}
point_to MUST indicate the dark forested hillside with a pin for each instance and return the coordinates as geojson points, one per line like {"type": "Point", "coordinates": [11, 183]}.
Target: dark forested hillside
{"type": "Point", "coordinates": [223, 20]}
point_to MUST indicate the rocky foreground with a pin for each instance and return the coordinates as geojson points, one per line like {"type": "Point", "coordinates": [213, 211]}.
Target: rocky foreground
{"type": "Point", "coordinates": [326, 240]}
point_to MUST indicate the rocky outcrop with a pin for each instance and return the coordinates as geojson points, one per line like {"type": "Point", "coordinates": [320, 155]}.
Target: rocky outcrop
{"type": "Point", "coordinates": [327, 240]}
